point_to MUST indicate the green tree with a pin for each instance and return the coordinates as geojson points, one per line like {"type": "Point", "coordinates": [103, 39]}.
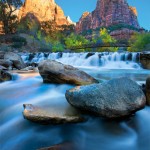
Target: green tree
{"type": "Point", "coordinates": [139, 42]}
{"type": "Point", "coordinates": [107, 39]}
{"type": "Point", "coordinates": [7, 14]}
{"type": "Point", "coordinates": [75, 40]}
{"type": "Point", "coordinates": [57, 47]}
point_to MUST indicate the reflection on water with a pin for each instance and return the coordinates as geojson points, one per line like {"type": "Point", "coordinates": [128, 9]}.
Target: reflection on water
{"type": "Point", "coordinates": [16, 133]}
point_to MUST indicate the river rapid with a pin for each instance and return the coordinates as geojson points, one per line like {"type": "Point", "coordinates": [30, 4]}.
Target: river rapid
{"type": "Point", "coordinates": [95, 133]}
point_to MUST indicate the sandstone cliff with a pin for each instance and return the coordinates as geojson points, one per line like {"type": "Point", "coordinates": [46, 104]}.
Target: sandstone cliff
{"type": "Point", "coordinates": [108, 13]}
{"type": "Point", "coordinates": [44, 10]}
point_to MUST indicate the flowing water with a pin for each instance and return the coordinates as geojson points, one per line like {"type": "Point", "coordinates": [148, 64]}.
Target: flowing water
{"type": "Point", "coordinates": [96, 133]}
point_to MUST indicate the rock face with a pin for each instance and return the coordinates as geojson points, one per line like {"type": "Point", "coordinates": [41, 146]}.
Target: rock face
{"type": "Point", "coordinates": [55, 72]}
{"type": "Point", "coordinates": [145, 60]}
{"type": "Point", "coordinates": [5, 76]}
{"type": "Point", "coordinates": [108, 13]}
{"type": "Point", "coordinates": [48, 116]}
{"type": "Point", "coordinates": [16, 59]}
{"type": "Point", "coordinates": [148, 90]}
{"type": "Point", "coordinates": [123, 33]}
{"type": "Point", "coordinates": [44, 10]}
{"type": "Point", "coordinates": [113, 99]}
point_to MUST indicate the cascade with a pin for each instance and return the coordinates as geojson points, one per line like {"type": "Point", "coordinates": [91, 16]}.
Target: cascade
{"type": "Point", "coordinates": [108, 60]}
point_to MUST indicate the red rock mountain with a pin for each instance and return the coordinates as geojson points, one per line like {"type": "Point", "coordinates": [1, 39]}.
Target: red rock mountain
{"type": "Point", "coordinates": [44, 10]}
{"type": "Point", "coordinates": [108, 13]}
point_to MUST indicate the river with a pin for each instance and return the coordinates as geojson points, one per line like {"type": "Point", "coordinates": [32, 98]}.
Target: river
{"type": "Point", "coordinates": [96, 133]}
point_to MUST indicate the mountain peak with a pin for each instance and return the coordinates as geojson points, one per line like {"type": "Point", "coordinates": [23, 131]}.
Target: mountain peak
{"type": "Point", "coordinates": [108, 13]}
{"type": "Point", "coordinates": [44, 10]}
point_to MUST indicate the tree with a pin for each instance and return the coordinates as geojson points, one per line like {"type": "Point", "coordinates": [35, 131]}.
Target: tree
{"type": "Point", "coordinates": [139, 42]}
{"type": "Point", "coordinates": [107, 39]}
{"type": "Point", "coordinates": [7, 14]}
{"type": "Point", "coordinates": [75, 40]}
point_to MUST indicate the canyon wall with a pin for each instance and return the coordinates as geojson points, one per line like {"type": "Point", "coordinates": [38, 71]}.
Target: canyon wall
{"type": "Point", "coordinates": [108, 13]}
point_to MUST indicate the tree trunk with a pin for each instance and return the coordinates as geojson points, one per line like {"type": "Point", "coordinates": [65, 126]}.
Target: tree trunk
{"type": "Point", "coordinates": [6, 27]}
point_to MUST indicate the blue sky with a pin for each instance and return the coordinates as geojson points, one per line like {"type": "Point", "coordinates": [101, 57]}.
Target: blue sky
{"type": "Point", "coordinates": [75, 8]}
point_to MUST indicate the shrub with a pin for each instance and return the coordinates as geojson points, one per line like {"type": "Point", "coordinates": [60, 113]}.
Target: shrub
{"type": "Point", "coordinates": [18, 42]}
{"type": "Point", "coordinates": [18, 39]}
{"type": "Point", "coordinates": [139, 42]}
{"type": "Point", "coordinates": [17, 45]}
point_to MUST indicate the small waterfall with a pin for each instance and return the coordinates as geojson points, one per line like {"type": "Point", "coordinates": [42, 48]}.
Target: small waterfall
{"type": "Point", "coordinates": [108, 60]}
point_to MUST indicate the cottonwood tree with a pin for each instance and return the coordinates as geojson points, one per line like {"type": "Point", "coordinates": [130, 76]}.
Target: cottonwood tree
{"type": "Point", "coordinates": [7, 14]}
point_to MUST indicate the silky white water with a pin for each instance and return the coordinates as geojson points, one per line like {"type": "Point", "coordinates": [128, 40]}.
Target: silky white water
{"type": "Point", "coordinates": [105, 60]}
{"type": "Point", "coordinates": [95, 133]}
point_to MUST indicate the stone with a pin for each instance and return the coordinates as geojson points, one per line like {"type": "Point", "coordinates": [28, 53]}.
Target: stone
{"type": "Point", "coordinates": [148, 90]}
{"type": "Point", "coordinates": [116, 98]}
{"type": "Point", "coordinates": [89, 55]}
{"type": "Point", "coordinates": [16, 59]}
{"type": "Point", "coordinates": [2, 54]}
{"type": "Point", "coordinates": [46, 10]}
{"type": "Point", "coordinates": [109, 13]}
{"type": "Point", "coordinates": [6, 63]}
{"type": "Point", "coordinates": [145, 60]}
{"type": "Point", "coordinates": [2, 68]}
{"type": "Point", "coordinates": [55, 72]}
{"type": "Point", "coordinates": [44, 115]}
{"type": "Point", "coordinates": [5, 76]}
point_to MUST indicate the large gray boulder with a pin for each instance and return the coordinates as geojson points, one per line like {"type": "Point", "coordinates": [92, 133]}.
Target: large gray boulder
{"type": "Point", "coordinates": [113, 99]}
{"type": "Point", "coordinates": [49, 115]}
{"type": "Point", "coordinates": [16, 59]}
{"type": "Point", "coordinates": [148, 90]}
{"type": "Point", "coordinates": [55, 72]}
{"type": "Point", "coordinates": [4, 75]}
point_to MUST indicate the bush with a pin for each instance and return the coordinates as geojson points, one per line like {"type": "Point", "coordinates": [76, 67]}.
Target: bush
{"type": "Point", "coordinates": [18, 42]}
{"type": "Point", "coordinates": [45, 50]}
{"type": "Point", "coordinates": [18, 39]}
{"type": "Point", "coordinates": [139, 42]}
{"type": "Point", "coordinates": [17, 45]}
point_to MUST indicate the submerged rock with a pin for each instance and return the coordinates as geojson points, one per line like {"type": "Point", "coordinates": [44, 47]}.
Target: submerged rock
{"type": "Point", "coordinates": [5, 76]}
{"type": "Point", "coordinates": [63, 146]}
{"type": "Point", "coordinates": [16, 59]}
{"type": "Point", "coordinates": [113, 99]}
{"type": "Point", "coordinates": [55, 72]}
{"type": "Point", "coordinates": [51, 116]}
{"type": "Point", "coordinates": [148, 90]}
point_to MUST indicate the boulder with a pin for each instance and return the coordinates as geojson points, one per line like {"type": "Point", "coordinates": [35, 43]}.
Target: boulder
{"type": "Point", "coordinates": [5, 76]}
{"type": "Point", "coordinates": [145, 60]}
{"type": "Point", "coordinates": [51, 115]}
{"type": "Point", "coordinates": [89, 55]}
{"type": "Point", "coordinates": [2, 54]}
{"type": "Point", "coordinates": [112, 99]}
{"type": "Point", "coordinates": [2, 68]}
{"type": "Point", "coordinates": [6, 63]}
{"type": "Point", "coordinates": [55, 72]}
{"type": "Point", "coordinates": [16, 59]}
{"type": "Point", "coordinates": [148, 90]}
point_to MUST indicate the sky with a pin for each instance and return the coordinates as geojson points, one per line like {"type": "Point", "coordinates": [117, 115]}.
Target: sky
{"type": "Point", "coordinates": [75, 8]}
